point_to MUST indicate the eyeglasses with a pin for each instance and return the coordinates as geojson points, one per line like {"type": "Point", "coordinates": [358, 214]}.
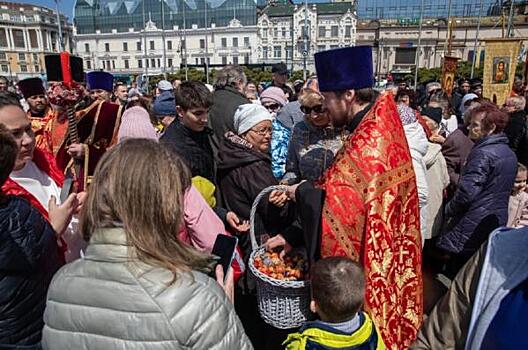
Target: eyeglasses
{"type": "Point", "coordinates": [272, 107]}
{"type": "Point", "coordinates": [262, 132]}
{"type": "Point", "coordinates": [317, 109]}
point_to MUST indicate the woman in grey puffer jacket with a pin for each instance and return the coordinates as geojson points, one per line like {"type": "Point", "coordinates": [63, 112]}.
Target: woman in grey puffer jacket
{"type": "Point", "coordinates": [138, 287]}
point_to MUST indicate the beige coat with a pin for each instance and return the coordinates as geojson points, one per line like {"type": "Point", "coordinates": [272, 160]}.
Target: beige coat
{"type": "Point", "coordinates": [104, 301]}
{"type": "Point", "coordinates": [437, 182]}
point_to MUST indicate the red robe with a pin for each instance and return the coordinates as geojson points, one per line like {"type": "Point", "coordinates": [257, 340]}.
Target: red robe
{"type": "Point", "coordinates": [39, 126]}
{"type": "Point", "coordinates": [371, 215]}
{"type": "Point", "coordinates": [45, 162]}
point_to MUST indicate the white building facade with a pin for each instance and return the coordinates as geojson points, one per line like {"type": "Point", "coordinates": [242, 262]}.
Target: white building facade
{"type": "Point", "coordinates": [281, 30]}
{"type": "Point", "coordinates": [144, 52]}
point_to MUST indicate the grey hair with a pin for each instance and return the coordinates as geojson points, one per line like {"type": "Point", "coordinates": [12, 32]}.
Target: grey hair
{"type": "Point", "coordinates": [519, 102]}
{"type": "Point", "coordinates": [432, 85]}
{"type": "Point", "coordinates": [231, 75]}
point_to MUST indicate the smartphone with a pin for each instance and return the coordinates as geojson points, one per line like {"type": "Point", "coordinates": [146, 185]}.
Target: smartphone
{"type": "Point", "coordinates": [225, 248]}
{"type": "Point", "coordinates": [66, 189]}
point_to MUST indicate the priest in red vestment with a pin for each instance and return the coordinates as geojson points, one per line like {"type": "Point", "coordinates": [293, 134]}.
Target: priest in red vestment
{"type": "Point", "coordinates": [365, 206]}
{"type": "Point", "coordinates": [96, 125]}
{"type": "Point", "coordinates": [37, 179]}
{"type": "Point", "coordinates": [40, 111]}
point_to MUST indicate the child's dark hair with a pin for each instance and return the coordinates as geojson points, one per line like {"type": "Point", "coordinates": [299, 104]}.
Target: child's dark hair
{"type": "Point", "coordinates": [8, 154]}
{"type": "Point", "coordinates": [338, 288]}
{"type": "Point", "coordinates": [193, 94]}
{"type": "Point", "coordinates": [521, 167]}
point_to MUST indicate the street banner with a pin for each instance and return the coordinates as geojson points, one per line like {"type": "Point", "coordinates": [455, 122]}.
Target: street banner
{"type": "Point", "coordinates": [448, 74]}
{"type": "Point", "coordinates": [499, 68]}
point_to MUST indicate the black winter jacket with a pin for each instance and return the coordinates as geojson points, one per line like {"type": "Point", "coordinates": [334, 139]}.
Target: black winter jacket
{"type": "Point", "coordinates": [29, 258]}
{"type": "Point", "coordinates": [517, 133]}
{"type": "Point", "coordinates": [480, 203]}
{"type": "Point", "coordinates": [242, 174]}
{"type": "Point", "coordinates": [226, 102]}
{"type": "Point", "coordinates": [194, 147]}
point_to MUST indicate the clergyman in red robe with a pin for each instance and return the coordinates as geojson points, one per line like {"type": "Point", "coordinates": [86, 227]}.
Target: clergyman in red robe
{"type": "Point", "coordinates": [365, 206]}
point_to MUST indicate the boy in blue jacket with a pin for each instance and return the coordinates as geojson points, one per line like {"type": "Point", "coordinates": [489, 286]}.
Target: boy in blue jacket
{"type": "Point", "coordinates": [338, 288]}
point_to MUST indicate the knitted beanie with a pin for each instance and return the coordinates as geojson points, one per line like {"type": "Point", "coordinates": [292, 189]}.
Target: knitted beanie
{"type": "Point", "coordinates": [273, 94]}
{"type": "Point", "coordinates": [135, 124]}
{"type": "Point", "coordinates": [249, 115]}
{"type": "Point", "coordinates": [165, 105]}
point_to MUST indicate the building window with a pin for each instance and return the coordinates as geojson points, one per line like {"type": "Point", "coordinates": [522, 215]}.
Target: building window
{"type": "Point", "coordinates": [169, 45]}
{"type": "Point", "coordinates": [147, 62]}
{"type": "Point", "coordinates": [183, 44]}
{"type": "Point", "coordinates": [125, 47]}
{"type": "Point", "coordinates": [246, 59]}
{"type": "Point", "coordinates": [23, 68]}
{"type": "Point", "coordinates": [277, 51]}
{"type": "Point", "coordinates": [223, 42]}
{"type": "Point", "coordinates": [283, 32]}
{"type": "Point", "coordinates": [86, 47]}
{"type": "Point", "coordinates": [196, 60]}
{"type": "Point", "coordinates": [127, 65]}
{"type": "Point", "coordinates": [322, 32]}
{"type": "Point", "coordinates": [235, 42]}
{"type": "Point", "coordinates": [275, 32]}
{"type": "Point", "coordinates": [5, 68]}
{"type": "Point", "coordinates": [235, 59]}
{"type": "Point", "coordinates": [153, 63]}
{"type": "Point", "coordinates": [159, 62]}
{"type": "Point", "coordinates": [140, 63]}
{"type": "Point", "coordinates": [113, 64]}
{"type": "Point", "coordinates": [138, 46]}
{"type": "Point", "coordinates": [202, 61]}
{"type": "Point", "coordinates": [265, 53]}
{"type": "Point", "coordinates": [35, 57]}
{"type": "Point", "coordinates": [246, 41]}
{"type": "Point", "coordinates": [33, 38]}
{"type": "Point", "coordinates": [152, 46]}
{"type": "Point", "coordinates": [2, 56]}
{"type": "Point", "coordinates": [18, 37]}
{"type": "Point", "coordinates": [107, 47]}
{"type": "Point", "coordinates": [288, 51]}
{"type": "Point", "coordinates": [169, 62]}
{"type": "Point", "coordinates": [88, 64]}
{"type": "Point", "coordinates": [335, 31]}
{"type": "Point", "coordinates": [264, 33]}
{"type": "Point", "coordinates": [321, 48]}
{"type": "Point", "coordinates": [348, 31]}
{"type": "Point", "coordinates": [3, 37]}
{"type": "Point", "coordinates": [224, 60]}
{"type": "Point", "coordinates": [405, 55]}
{"type": "Point", "coordinates": [37, 68]}
{"type": "Point", "coordinates": [202, 43]}
{"type": "Point", "coordinates": [21, 56]}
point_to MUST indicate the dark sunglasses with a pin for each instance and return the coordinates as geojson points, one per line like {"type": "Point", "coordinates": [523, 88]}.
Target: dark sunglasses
{"type": "Point", "coordinates": [272, 107]}
{"type": "Point", "coordinates": [316, 109]}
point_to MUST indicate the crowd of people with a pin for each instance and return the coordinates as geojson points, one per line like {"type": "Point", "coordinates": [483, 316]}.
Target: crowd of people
{"type": "Point", "coordinates": [410, 205]}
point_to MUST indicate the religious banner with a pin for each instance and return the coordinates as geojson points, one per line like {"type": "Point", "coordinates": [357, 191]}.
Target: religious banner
{"type": "Point", "coordinates": [448, 74]}
{"type": "Point", "coordinates": [499, 68]}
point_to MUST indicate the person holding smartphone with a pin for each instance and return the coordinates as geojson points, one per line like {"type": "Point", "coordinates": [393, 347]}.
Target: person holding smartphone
{"type": "Point", "coordinates": [138, 285]}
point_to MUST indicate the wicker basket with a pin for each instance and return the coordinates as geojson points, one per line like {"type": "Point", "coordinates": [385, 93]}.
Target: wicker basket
{"type": "Point", "coordinates": [282, 304]}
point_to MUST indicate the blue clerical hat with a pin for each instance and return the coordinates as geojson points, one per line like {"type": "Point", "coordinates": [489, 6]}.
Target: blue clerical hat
{"type": "Point", "coordinates": [345, 69]}
{"type": "Point", "coordinates": [100, 80]}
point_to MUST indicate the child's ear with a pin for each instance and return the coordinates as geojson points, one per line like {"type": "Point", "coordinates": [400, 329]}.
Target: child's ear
{"type": "Point", "coordinates": [179, 112]}
{"type": "Point", "coordinates": [313, 306]}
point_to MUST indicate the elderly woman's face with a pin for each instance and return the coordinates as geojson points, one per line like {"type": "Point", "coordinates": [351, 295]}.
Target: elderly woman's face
{"type": "Point", "coordinates": [316, 115]}
{"type": "Point", "coordinates": [260, 136]}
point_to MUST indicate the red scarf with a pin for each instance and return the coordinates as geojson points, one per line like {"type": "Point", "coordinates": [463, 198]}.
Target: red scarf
{"type": "Point", "coordinates": [46, 163]}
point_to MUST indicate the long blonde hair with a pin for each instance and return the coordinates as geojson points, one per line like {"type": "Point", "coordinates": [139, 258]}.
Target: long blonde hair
{"type": "Point", "coordinates": [140, 185]}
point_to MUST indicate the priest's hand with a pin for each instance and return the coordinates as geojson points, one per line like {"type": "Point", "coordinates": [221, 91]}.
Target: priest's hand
{"type": "Point", "coordinates": [291, 190]}
{"type": "Point", "coordinates": [76, 150]}
{"type": "Point", "coordinates": [235, 223]}
{"type": "Point", "coordinates": [276, 243]}
{"type": "Point", "coordinates": [278, 198]}
{"type": "Point", "coordinates": [61, 215]}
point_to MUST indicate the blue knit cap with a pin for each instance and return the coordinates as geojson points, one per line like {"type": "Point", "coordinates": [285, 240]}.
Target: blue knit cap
{"type": "Point", "coordinates": [165, 105]}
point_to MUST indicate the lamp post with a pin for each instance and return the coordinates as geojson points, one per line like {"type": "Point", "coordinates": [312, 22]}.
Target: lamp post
{"type": "Point", "coordinates": [206, 46]}
{"type": "Point", "coordinates": [163, 38]}
{"type": "Point", "coordinates": [417, 58]}
{"type": "Point", "coordinates": [145, 43]}
{"type": "Point", "coordinates": [476, 41]}
{"type": "Point", "coordinates": [185, 41]}
{"type": "Point", "coordinates": [305, 52]}
{"type": "Point", "coordinates": [59, 25]}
